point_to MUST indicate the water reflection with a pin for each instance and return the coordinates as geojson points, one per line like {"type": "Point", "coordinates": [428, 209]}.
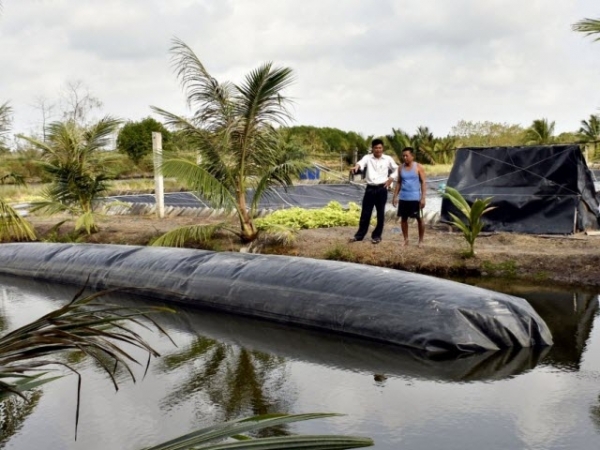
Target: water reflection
{"type": "Point", "coordinates": [229, 366]}
{"type": "Point", "coordinates": [569, 316]}
{"type": "Point", "coordinates": [14, 411]}
{"type": "Point", "coordinates": [238, 382]}
{"type": "Point", "coordinates": [353, 354]}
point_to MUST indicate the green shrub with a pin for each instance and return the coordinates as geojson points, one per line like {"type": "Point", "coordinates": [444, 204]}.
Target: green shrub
{"type": "Point", "coordinates": [332, 215]}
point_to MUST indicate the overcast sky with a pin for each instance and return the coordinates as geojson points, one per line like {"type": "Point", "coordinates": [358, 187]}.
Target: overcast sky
{"type": "Point", "coordinates": [361, 65]}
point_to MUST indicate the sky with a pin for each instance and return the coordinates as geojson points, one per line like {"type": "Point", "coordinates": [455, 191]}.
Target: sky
{"type": "Point", "coordinates": [360, 65]}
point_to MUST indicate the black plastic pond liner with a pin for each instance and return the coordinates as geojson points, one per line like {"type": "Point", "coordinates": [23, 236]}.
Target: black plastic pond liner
{"type": "Point", "coordinates": [396, 307]}
{"type": "Point", "coordinates": [544, 189]}
{"type": "Point", "coordinates": [311, 346]}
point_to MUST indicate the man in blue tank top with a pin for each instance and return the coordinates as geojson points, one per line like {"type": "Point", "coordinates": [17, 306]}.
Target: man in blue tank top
{"type": "Point", "coordinates": [412, 189]}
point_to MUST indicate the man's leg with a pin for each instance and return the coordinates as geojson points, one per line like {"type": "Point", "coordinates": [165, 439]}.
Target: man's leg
{"type": "Point", "coordinates": [421, 226]}
{"type": "Point", "coordinates": [404, 226]}
{"type": "Point", "coordinates": [380, 201]}
{"type": "Point", "coordinates": [365, 214]}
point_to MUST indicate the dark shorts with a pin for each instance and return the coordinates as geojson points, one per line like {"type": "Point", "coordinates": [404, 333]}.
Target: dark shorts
{"type": "Point", "coordinates": [409, 209]}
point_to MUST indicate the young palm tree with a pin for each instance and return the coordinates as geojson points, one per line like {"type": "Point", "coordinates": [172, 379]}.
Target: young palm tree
{"type": "Point", "coordinates": [590, 131]}
{"type": "Point", "coordinates": [233, 129]}
{"type": "Point", "coordinates": [589, 27]}
{"type": "Point", "coordinates": [69, 155]}
{"type": "Point", "coordinates": [541, 132]}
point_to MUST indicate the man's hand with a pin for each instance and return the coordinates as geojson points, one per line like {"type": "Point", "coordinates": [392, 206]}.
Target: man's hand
{"type": "Point", "coordinates": [388, 183]}
{"type": "Point", "coordinates": [395, 201]}
{"type": "Point", "coordinates": [422, 203]}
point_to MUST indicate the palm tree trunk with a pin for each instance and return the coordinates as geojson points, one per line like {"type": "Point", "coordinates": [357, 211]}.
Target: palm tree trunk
{"type": "Point", "coordinates": [248, 230]}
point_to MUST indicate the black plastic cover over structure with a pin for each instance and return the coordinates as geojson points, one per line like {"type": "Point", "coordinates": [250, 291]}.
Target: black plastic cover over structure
{"type": "Point", "coordinates": [412, 310]}
{"type": "Point", "coordinates": [536, 189]}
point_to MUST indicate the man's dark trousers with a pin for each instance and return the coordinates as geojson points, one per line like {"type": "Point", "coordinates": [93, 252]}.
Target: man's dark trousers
{"type": "Point", "coordinates": [375, 196]}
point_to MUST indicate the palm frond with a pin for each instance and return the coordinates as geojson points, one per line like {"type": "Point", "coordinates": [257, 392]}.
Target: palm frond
{"type": "Point", "coordinates": [84, 324]}
{"type": "Point", "coordinates": [235, 429]}
{"type": "Point", "coordinates": [200, 180]}
{"type": "Point", "coordinates": [13, 226]}
{"type": "Point", "coordinates": [589, 27]}
{"type": "Point", "coordinates": [277, 233]}
{"type": "Point", "coordinates": [212, 99]}
{"type": "Point", "coordinates": [87, 222]}
{"type": "Point", "coordinates": [192, 233]}
{"type": "Point", "coordinates": [259, 98]}
{"type": "Point", "coordinates": [281, 174]}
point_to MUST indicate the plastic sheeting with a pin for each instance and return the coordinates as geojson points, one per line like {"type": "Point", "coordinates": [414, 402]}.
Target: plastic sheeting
{"type": "Point", "coordinates": [416, 311]}
{"type": "Point", "coordinates": [536, 189]}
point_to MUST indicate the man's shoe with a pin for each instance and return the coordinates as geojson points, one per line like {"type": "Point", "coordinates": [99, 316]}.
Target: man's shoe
{"type": "Point", "coordinates": [354, 239]}
{"type": "Point", "coordinates": [376, 240]}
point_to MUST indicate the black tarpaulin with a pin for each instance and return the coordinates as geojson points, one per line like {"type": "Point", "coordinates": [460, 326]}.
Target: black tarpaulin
{"type": "Point", "coordinates": [396, 307]}
{"type": "Point", "coordinates": [536, 189]}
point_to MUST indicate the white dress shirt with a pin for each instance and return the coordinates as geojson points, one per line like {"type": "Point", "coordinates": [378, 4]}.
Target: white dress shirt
{"type": "Point", "coordinates": [379, 170]}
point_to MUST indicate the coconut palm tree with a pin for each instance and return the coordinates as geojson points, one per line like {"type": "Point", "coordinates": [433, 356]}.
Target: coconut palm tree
{"type": "Point", "coordinates": [423, 143]}
{"type": "Point", "coordinates": [590, 131]}
{"type": "Point", "coordinates": [541, 132]}
{"type": "Point", "coordinates": [233, 128]}
{"type": "Point", "coordinates": [589, 27]}
{"type": "Point", "coordinates": [69, 155]}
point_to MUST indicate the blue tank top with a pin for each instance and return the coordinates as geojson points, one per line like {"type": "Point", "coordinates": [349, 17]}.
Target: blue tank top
{"type": "Point", "coordinates": [411, 184]}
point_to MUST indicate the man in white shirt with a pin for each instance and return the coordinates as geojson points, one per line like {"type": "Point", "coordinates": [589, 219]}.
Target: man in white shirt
{"type": "Point", "coordinates": [382, 170]}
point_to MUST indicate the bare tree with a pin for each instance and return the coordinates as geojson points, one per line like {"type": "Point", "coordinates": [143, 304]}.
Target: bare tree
{"type": "Point", "coordinates": [46, 109]}
{"type": "Point", "coordinates": [5, 122]}
{"type": "Point", "coordinates": [77, 102]}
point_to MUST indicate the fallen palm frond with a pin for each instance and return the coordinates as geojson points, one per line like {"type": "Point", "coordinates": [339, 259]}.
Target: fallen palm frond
{"type": "Point", "coordinates": [85, 324]}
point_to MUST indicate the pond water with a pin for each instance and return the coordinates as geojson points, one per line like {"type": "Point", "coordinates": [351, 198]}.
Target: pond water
{"type": "Point", "coordinates": [225, 367]}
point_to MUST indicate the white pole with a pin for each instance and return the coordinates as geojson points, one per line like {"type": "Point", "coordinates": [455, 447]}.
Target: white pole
{"type": "Point", "coordinates": [158, 177]}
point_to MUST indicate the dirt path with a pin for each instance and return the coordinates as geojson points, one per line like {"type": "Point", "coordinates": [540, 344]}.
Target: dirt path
{"type": "Point", "coordinates": [563, 259]}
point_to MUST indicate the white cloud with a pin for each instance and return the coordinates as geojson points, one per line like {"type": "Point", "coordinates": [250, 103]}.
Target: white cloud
{"type": "Point", "coordinates": [360, 65]}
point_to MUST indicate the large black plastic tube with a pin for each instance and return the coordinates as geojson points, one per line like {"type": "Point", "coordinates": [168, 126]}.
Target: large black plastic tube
{"type": "Point", "coordinates": [403, 308]}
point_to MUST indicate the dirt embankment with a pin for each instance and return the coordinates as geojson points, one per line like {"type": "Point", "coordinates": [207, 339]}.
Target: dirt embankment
{"type": "Point", "coordinates": [562, 259]}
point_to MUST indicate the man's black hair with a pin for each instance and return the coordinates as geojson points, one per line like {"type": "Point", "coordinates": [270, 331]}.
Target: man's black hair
{"type": "Point", "coordinates": [409, 149]}
{"type": "Point", "coordinates": [375, 142]}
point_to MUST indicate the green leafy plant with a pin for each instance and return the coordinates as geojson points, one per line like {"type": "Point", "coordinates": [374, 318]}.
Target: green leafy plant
{"type": "Point", "coordinates": [332, 215]}
{"type": "Point", "coordinates": [472, 224]}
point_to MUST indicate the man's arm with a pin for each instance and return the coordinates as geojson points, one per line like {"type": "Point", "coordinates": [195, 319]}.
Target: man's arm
{"type": "Point", "coordinates": [360, 165]}
{"type": "Point", "coordinates": [421, 172]}
{"type": "Point", "coordinates": [397, 188]}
